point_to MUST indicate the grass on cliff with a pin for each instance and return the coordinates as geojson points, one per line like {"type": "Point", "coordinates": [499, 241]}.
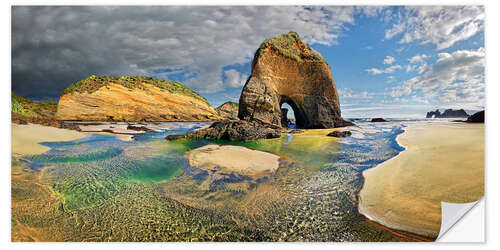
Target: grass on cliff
{"type": "Point", "coordinates": [27, 107]}
{"type": "Point", "coordinates": [231, 104]}
{"type": "Point", "coordinates": [291, 46]}
{"type": "Point", "coordinates": [93, 83]}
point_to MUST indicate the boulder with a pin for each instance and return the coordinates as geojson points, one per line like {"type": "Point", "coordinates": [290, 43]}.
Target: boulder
{"type": "Point", "coordinates": [379, 120]}
{"type": "Point", "coordinates": [287, 70]}
{"type": "Point", "coordinates": [238, 130]}
{"type": "Point", "coordinates": [340, 134]}
{"type": "Point", "coordinates": [138, 128]}
{"type": "Point", "coordinates": [477, 117]}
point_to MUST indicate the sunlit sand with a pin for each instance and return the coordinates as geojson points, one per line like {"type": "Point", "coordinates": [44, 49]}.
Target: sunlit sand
{"type": "Point", "coordinates": [236, 159]}
{"type": "Point", "coordinates": [26, 138]}
{"type": "Point", "coordinates": [442, 162]}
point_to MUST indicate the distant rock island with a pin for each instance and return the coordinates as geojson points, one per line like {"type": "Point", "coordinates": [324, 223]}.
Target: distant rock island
{"type": "Point", "coordinates": [228, 110]}
{"type": "Point", "coordinates": [449, 113]}
{"type": "Point", "coordinates": [477, 117]}
{"type": "Point", "coordinates": [129, 98]}
{"type": "Point", "coordinates": [284, 70]}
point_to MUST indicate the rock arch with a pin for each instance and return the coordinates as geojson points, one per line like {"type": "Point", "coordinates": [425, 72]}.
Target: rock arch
{"type": "Point", "coordinates": [285, 69]}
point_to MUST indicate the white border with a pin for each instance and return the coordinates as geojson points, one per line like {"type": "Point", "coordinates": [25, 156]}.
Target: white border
{"type": "Point", "coordinates": [492, 129]}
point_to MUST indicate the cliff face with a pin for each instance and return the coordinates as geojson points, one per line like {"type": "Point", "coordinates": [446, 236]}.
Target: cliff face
{"type": "Point", "coordinates": [132, 99]}
{"type": "Point", "coordinates": [26, 111]}
{"type": "Point", "coordinates": [228, 110]}
{"type": "Point", "coordinates": [287, 70]}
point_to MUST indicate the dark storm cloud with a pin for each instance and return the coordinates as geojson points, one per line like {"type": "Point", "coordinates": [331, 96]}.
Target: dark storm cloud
{"type": "Point", "coordinates": [53, 47]}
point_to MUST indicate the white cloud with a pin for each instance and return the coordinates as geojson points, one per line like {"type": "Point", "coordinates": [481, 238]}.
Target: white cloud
{"type": "Point", "coordinates": [454, 77]}
{"type": "Point", "coordinates": [56, 46]}
{"type": "Point", "coordinates": [422, 68]}
{"type": "Point", "coordinates": [389, 60]}
{"type": "Point", "coordinates": [348, 93]}
{"type": "Point", "coordinates": [234, 79]}
{"type": "Point", "coordinates": [442, 26]}
{"type": "Point", "coordinates": [418, 58]}
{"type": "Point", "coordinates": [388, 70]}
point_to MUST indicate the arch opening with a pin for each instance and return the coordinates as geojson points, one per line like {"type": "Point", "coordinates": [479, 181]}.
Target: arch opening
{"type": "Point", "coordinates": [295, 118]}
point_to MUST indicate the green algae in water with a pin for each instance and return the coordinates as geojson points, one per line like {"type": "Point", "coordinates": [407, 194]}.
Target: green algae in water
{"type": "Point", "coordinates": [156, 170]}
{"type": "Point", "coordinates": [92, 156]}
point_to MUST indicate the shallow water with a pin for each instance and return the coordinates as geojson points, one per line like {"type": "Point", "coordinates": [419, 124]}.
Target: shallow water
{"type": "Point", "coordinates": [312, 197]}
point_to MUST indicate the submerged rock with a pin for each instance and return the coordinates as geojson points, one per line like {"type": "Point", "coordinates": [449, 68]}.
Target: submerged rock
{"type": "Point", "coordinates": [379, 120]}
{"type": "Point", "coordinates": [287, 70]}
{"type": "Point", "coordinates": [236, 131]}
{"type": "Point", "coordinates": [174, 137]}
{"type": "Point", "coordinates": [477, 117]}
{"type": "Point", "coordinates": [340, 134]}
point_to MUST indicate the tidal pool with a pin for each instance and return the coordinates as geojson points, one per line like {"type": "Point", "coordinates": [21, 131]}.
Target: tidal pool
{"type": "Point", "coordinates": [105, 189]}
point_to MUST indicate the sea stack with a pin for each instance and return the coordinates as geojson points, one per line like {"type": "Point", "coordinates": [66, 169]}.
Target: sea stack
{"type": "Point", "coordinates": [108, 98]}
{"type": "Point", "coordinates": [286, 69]}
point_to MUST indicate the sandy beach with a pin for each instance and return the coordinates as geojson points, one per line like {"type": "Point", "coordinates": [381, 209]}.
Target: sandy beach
{"type": "Point", "coordinates": [442, 162]}
{"type": "Point", "coordinates": [26, 138]}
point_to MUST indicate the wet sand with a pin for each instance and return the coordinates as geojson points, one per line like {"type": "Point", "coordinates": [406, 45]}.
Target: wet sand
{"type": "Point", "coordinates": [442, 162]}
{"type": "Point", "coordinates": [26, 138]}
{"type": "Point", "coordinates": [234, 159]}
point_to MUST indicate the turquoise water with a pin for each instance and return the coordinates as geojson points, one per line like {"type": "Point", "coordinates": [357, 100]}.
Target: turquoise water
{"type": "Point", "coordinates": [312, 197]}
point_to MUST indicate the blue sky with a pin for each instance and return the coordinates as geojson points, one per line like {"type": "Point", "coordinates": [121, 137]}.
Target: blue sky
{"type": "Point", "coordinates": [386, 61]}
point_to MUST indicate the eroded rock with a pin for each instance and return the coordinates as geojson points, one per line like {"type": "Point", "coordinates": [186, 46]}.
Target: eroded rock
{"type": "Point", "coordinates": [106, 98]}
{"type": "Point", "coordinates": [340, 134]}
{"type": "Point", "coordinates": [228, 110]}
{"type": "Point", "coordinates": [287, 70]}
{"type": "Point", "coordinates": [236, 131]}
{"type": "Point", "coordinates": [379, 120]}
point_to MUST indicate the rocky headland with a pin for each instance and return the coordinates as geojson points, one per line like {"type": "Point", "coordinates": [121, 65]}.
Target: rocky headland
{"type": "Point", "coordinates": [228, 110]}
{"type": "Point", "coordinates": [24, 111]}
{"type": "Point", "coordinates": [108, 98]}
{"type": "Point", "coordinates": [449, 113]}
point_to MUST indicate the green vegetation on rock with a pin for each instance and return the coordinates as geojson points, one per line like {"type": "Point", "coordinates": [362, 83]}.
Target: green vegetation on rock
{"type": "Point", "coordinates": [27, 107]}
{"type": "Point", "coordinates": [231, 104]}
{"type": "Point", "coordinates": [290, 46]}
{"type": "Point", "coordinates": [94, 83]}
